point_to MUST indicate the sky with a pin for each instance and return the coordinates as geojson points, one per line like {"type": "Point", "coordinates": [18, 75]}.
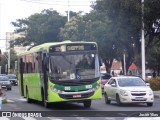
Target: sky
{"type": "Point", "coordinates": [10, 10]}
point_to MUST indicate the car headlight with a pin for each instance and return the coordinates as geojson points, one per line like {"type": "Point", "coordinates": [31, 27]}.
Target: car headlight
{"type": "Point", "coordinates": [123, 93]}
{"type": "Point", "coordinates": [150, 92]}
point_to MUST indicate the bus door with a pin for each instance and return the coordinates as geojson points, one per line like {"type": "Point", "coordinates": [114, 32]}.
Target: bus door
{"type": "Point", "coordinates": [43, 73]}
{"type": "Point", "coordinates": [21, 76]}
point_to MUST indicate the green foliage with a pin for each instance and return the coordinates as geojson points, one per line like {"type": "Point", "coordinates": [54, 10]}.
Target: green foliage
{"type": "Point", "coordinates": [125, 17]}
{"type": "Point", "coordinates": [39, 28]}
{"type": "Point", "coordinates": [153, 57]}
{"type": "Point", "coordinates": [74, 29]}
{"type": "Point", "coordinates": [4, 61]}
{"type": "Point", "coordinates": [155, 84]}
{"type": "Point", "coordinates": [114, 24]}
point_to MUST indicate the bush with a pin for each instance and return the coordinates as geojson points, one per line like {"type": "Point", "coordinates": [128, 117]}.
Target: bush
{"type": "Point", "coordinates": [4, 101]}
{"type": "Point", "coordinates": [155, 84]}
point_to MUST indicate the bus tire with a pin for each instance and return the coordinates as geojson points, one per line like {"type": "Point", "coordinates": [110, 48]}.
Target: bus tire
{"type": "Point", "coordinates": [27, 95]}
{"type": "Point", "coordinates": [45, 103]}
{"type": "Point", "coordinates": [87, 103]}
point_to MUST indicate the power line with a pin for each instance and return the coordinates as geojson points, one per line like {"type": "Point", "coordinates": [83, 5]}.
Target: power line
{"type": "Point", "coordinates": [59, 3]}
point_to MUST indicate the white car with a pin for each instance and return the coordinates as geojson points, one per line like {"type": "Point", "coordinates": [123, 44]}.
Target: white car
{"type": "Point", "coordinates": [128, 89]}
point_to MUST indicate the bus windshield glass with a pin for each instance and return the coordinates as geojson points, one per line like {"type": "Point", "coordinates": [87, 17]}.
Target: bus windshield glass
{"type": "Point", "coordinates": [74, 67]}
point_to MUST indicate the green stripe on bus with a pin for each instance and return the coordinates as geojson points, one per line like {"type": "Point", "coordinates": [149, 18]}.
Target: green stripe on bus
{"type": "Point", "coordinates": [75, 88]}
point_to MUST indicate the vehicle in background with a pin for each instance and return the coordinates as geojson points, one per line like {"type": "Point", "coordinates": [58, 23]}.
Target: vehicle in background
{"type": "Point", "coordinates": [128, 89]}
{"type": "Point", "coordinates": [1, 90]}
{"type": "Point", "coordinates": [13, 79]}
{"type": "Point", "coordinates": [5, 83]}
{"type": "Point", "coordinates": [148, 76]}
{"type": "Point", "coordinates": [104, 79]}
{"type": "Point", "coordinates": [2, 74]}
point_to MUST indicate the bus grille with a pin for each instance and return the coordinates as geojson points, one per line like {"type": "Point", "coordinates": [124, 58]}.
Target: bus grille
{"type": "Point", "coordinates": [83, 95]}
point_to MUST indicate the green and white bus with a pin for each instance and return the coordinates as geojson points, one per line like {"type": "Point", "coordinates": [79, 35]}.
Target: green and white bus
{"type": "Point", "coordinates": [60, 72]}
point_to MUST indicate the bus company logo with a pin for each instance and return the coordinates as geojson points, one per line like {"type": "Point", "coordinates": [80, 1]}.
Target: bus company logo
{"type": "Point", "coordinates": [6, 114]}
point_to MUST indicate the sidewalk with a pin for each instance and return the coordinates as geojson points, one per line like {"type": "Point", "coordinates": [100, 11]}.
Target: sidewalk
{"type": "Point", "coordinates": [156, 94]}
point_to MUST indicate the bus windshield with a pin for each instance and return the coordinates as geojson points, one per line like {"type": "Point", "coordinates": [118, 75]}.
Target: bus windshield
{"type": "Point", "coordinates": [74, 67]}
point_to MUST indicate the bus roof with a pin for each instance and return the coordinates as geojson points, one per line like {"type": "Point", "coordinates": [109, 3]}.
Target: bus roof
{"type": "Point", "coordinates": [45, 46]}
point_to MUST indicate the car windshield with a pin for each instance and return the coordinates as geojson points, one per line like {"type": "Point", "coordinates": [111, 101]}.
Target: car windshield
{"type": "Point", "coordinates": [148, 74]}
{"type": "Point", "coordinates": [3, 78]}
{"type": "Point", "coordinates": [105, 76]}
{"type": "Point", "coordinates": [11, 76]}
{"type": "Point", "coordinates": [125, 82]}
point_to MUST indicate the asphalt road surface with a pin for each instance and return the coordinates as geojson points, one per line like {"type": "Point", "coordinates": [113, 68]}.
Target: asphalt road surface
{"type": "Point", "coordinates": [73, 111]}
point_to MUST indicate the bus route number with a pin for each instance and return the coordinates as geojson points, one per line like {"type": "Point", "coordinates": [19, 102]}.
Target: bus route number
{"type": "Point", "coordinates": [88, 86]}
{"type": "Point", "coordinates": [67, 88]}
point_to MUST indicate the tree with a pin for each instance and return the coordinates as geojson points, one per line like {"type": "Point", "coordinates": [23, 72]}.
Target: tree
{"type": "Point", "coordinates": [74, 29]}
{"type": "Point", "coordinates": [125, 17]}
{"type": "Point", "coordinates": [39, 28]}
{"type": "Point", "coordinates": [92, 27]}
{"type": "Point", "coordinates": [4, 60]}
{"type": "Point", "coordinates": [153, 58]}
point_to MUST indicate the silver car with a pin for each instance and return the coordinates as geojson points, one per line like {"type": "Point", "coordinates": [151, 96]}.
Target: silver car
{"type": "Point", "coordinates": [128, 89]}
{"type": "Point", "coordinates": [5, 83]}
{"type": "Point", "coordinates": [13, 79]}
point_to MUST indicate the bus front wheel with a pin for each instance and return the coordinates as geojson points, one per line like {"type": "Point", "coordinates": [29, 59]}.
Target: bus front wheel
{"type": "Point", "coordinates": [87, 103]}
{"type": "Point", "coordinates": [46, 104]}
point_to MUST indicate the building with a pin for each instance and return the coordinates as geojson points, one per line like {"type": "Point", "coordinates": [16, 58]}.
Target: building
{"type": "Point", "coordinates": [133, 70]}
{"type": "Point", "coordinates": [12, 36]}
{"type": "Point", "coordinates": [116, 67]}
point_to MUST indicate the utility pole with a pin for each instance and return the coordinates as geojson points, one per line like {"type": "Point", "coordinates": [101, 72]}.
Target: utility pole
{"type": "Point", "coordinates": [124, 60]}
{"type": "Point", "coordinates": [143, 42]}
{"type": "Point", "coordinates": [68, 13]}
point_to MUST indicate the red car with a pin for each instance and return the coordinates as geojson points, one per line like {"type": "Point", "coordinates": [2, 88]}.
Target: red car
{"type": "Point", "coordinates": [104, 79]}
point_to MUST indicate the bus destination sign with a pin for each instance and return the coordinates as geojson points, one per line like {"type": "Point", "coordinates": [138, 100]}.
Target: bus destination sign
{"type": "Point", "coordinates": [72, 47]}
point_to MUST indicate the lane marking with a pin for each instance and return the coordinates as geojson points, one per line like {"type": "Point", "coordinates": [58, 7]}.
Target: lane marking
{"type": "Point", "coordinates": [29, 118]}
{"type": "Point", "coordinates": [54, 118]}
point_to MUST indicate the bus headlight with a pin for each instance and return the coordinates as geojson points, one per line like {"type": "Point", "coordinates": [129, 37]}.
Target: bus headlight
{"type": "Point", "coordinates": [55, 90]}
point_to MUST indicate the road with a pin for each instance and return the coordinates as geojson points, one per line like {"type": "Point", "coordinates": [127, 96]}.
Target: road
{"type": "Point", "coordinates": [69, 110]}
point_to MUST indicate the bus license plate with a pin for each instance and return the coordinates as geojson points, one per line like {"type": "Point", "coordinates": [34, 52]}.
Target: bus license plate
{"type": "Point", "coordinates": [77, 96]}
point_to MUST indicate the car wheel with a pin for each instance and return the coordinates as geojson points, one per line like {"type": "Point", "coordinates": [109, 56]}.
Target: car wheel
{"type": "Point", "coordinates": [107, 101]}
{"type": "Point", "coordinates": [9, 88]}
{"type": "Point", "coordinates": [118, 100]}
{"type": "Point", "coordinates": [87, 103]}
{"type": "Point", "coordinates": [149, 104]}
